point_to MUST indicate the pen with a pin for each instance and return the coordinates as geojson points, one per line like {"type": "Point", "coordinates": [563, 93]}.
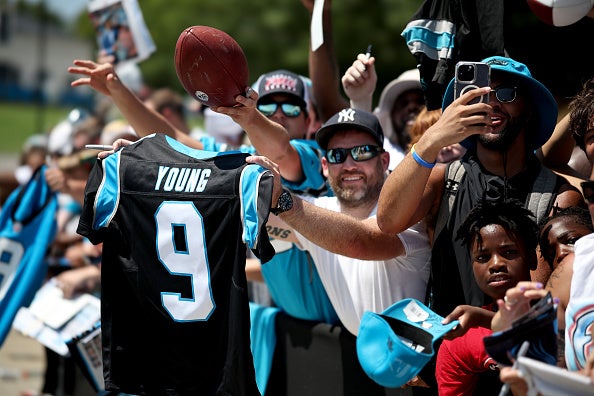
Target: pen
{"type": "Point", "coordinates": [367, 55]}
{"type": "Point", "coordinates": [522, 352]}
{"type": "Point", "coordinates": [368, 52]}
{"type": "Point", "coordinates": [102, 147]}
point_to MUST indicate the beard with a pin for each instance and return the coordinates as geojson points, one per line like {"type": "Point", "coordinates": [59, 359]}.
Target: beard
{"type": "Point", "coordinates": [503, 140]}
{"type": "Point", "coordinates": [352, 196]}
{"type": "Point", "coordinates": [401, 131]}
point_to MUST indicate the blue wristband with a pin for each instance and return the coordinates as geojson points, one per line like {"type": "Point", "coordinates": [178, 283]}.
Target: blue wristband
{"type": "Point", "coordinates": [420, 160]}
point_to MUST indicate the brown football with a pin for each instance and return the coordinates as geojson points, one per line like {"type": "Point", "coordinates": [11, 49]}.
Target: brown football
{"type": "Point", "coordinates": [211, 66]}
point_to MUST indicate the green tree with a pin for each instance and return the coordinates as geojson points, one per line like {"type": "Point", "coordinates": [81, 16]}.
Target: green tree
{"type": "Point", "coordinates": [276, 35]}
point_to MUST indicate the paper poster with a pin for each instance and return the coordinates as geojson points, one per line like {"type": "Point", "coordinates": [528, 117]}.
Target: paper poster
{"type": "Point", "coordinates": [317, 27]}
{"type": "Point", "coordinates": [120, 30]}
{"type": "Point", "coordinates": [53, 320]}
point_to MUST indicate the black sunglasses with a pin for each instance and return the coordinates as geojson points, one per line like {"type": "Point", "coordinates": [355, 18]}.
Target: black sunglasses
{"type": "Point", "coordinates": [505, 94]}
{"type": "Point", "coordinates": [588, 191]}
{"type": "Point", "coordinates": [359, 153]}
{"type": "Point", "coordinates": [288, 109]}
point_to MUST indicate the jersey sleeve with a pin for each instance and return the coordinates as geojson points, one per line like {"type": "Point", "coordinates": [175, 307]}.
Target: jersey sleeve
{"type": "Point", "coordinates": [314, 182]}
{"type": "Point", "coordinates": [101, 198]}
{"type": "Point", "coordinates": [256, 187]}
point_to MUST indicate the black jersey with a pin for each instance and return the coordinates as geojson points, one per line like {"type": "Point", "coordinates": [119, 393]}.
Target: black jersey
{"type": "Point", "coordinates": [175, 223]}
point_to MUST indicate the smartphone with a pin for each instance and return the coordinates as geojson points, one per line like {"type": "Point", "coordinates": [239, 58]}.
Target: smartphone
{"type": "Point", "coordinates": [471, 75]}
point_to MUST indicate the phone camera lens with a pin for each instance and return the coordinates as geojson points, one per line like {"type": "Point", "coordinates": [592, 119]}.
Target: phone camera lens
{"type": "Point", "coordinates": [466, 73]}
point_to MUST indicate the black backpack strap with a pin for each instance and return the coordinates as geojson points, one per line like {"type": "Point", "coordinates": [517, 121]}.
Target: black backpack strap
{"type": "Point", "coordinates": [454, 173]}
{"type": "Point", "coordinates": [542, 197]}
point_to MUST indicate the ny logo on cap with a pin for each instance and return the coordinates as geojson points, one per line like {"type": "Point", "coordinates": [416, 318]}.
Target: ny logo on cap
{"type": "Point", "coordinates": [346, 115]}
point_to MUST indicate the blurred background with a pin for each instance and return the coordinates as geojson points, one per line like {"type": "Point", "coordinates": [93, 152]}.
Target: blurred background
{"type": "Point", "coordinates": [40, 38]}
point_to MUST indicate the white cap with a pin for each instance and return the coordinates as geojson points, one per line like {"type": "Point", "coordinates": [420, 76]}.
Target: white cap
{"type": "Point", "coordinates": [115, 130]}
{"type": "Point", "coordinates": [410, 79]}
{"type": "Point", "coordinates": [60, 139]}
{"type": "Point", "coordinates": [131, 75]}
{"type": "Point", "coordinates": [220, 125]}
{"type": "Point", "coordinates": [35, 141]}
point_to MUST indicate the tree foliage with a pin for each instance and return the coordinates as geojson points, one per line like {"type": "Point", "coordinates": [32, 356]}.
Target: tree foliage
{"type": "Point", "coordinates": [275, 34]}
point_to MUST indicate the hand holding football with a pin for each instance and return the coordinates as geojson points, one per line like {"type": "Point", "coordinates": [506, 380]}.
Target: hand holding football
{"type": "Point", "coordinates": [211, 66]}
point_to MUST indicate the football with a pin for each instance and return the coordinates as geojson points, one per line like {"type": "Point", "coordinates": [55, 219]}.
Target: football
{"type": "Point", "coordinates": [211, 66]}
{"type": "Point", "coordinates": [560, 12]}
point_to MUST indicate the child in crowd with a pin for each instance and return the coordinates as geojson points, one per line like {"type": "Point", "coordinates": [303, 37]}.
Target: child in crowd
{"type": "Point", "coordinates": [502, 239]}
{"type": "Point", "coordinates": [558, 235]}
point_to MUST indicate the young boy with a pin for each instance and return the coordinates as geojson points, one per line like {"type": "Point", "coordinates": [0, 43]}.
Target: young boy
{"type": "Point", "coordinates": [502, 239]}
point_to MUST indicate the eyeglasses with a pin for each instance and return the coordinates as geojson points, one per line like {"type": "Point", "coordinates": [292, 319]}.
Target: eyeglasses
{"type": "Point", "coordinates": [288, 109]}
{"type": "Point", "coordinates": [505, 94]}
{"type": "Point", "coordinates": [359, 153]}
{"type": "Point", "coordinates": [588, 191]}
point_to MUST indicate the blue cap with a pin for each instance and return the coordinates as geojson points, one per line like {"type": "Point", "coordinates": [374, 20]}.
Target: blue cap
{"type": "Point", "coordinates": [395, 345]}
{"type": "Point", "coordinates": [544, 102]}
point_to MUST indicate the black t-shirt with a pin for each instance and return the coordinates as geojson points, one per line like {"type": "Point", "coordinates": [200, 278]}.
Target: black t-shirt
{"type": "Point", "coordinates": [452, 277]}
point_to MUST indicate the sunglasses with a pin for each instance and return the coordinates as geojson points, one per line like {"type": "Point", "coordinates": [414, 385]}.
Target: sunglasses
{"type": "Point", "coordinates": [359, 153]}
{"type": "Point", "coordinates": [288, 109]}
{"type": "Point", "coordinates": [505, 94]}
{"type": "Point", "coordinates": [588, 191]}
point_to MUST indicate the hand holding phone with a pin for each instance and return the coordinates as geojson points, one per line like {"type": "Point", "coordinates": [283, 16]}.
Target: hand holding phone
{"type": "Point", "coordinates": [471, 75]}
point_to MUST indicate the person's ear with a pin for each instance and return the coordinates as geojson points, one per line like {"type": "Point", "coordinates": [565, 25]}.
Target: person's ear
{"type": "Point", "coordinates": [325, 167]}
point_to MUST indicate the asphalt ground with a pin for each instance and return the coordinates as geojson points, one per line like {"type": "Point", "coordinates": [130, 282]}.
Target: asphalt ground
{"type": "Point", "coordinates": [8, 161]}
{"type": "Point", "coordinates": [22, 365]}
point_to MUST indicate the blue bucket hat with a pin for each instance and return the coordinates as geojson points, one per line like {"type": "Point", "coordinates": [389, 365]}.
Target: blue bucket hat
{"type": "Point", "coordinates": [543, 100]}
{"type": "Point", "coordinates": [395, 345]}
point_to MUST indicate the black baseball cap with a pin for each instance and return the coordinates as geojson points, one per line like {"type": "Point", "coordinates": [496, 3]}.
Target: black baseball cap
{"type": "Point", "coordinates": [350, 119]}
{"type": "Point", "coordinates": [284, 82]}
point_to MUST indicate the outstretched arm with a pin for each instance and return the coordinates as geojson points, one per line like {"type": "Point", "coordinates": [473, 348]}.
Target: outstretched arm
{"type": "Point", "coordinates": [103, 78]}
{"type": "Point", "coordinates": [342, 234]}
{"type": "Point", "coordinates": [323, 69]}
{"type": "Point", "coordinates": [269, 138]}
{"type": "Point", "coordinates": [412, 191]}
{"type": "Point", "coordinates": [468, 316]}
{"type": "Point", "coordinates": [333, 231]}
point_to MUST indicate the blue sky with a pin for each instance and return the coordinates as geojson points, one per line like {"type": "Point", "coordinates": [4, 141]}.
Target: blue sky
{"type": "Point", "coordinates": [67, 9]}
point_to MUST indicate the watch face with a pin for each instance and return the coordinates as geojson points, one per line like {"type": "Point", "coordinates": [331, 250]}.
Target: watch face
{"type": "Point", "coordinates": [285, 202]}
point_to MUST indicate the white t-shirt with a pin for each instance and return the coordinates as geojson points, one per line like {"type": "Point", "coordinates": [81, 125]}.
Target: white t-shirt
{"type": "Point", "coordinates": [355, 286]}
{"type": "Point", "coordinates": [396, 153]}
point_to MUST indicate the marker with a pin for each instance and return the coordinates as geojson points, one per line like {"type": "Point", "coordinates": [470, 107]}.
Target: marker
{"type": "Point", "coordinates": [367, 55]}
{"type": "Point", "coordinates": [521, 353]}
{"type": "Point", "coordinates": [368, 52]}
{"type": "Point", "coordinates": [102, 147]}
